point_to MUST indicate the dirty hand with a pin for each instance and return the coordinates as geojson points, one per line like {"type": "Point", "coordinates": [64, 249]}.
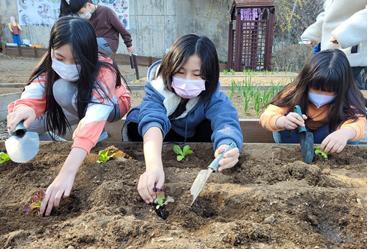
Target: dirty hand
{"type": "Point", "coordinates": [148, 181]}
{"type": "Point", "coordinates": [336, 141]}
{"type": "Point", "coordinates": [130, 49]}
{"type": "Point", "coordinates": [61, 187]}
{"type": "Point", "coordinates": [291, 121]}
{"type": "Point", "coordinates": [21, 113]}
{"type": "Point", "coordinates": [230, 158]}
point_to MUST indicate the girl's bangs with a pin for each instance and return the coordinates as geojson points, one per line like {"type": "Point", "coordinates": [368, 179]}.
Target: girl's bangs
{"type": "Point", "coordinates": [328, 81]}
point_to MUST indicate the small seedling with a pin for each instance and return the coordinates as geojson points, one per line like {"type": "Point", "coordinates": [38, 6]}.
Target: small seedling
{"type": "Point", "coordinates": [103, 156]}
{"type": "Point", "coordinates": [182, 153]}
{"type": "Point", "coordinates": [111, 152]}
{"type": "Point", "coordinates": [4, 157]}
{"type": "Point", "coordinates": [160, 202]}
{"type": "Point", "coordinates": [320, 153]}
{"type": "Point", "coordinates": [35, 203]}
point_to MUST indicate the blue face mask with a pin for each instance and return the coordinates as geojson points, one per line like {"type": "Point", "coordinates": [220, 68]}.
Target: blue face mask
{"type": "Point", "coordinates": [320, 100]}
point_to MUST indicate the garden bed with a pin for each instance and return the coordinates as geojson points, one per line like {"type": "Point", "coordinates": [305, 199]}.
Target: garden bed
{"type": "Point", "coordinates": [270, 200]}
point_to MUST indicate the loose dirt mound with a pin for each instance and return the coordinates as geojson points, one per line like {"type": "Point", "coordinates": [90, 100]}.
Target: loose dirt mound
{"type": "Point", "coordinates": [270, 200]}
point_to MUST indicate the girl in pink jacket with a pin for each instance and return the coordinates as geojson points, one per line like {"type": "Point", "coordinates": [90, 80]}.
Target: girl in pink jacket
{"type": "Point", "coordinates": [72, 85]}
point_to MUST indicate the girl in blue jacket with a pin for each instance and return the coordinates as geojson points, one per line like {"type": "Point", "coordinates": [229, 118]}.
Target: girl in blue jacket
{"type": "Point", "coordinates": [183, 102]}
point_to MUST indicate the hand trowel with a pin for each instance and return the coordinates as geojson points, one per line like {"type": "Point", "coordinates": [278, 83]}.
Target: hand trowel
{"type": "Point", "coordinates": [306, 140]}
{"type": "Point", "coordinates": [203, 175]}
{"type": "Point", "coordinates": [22, 145]}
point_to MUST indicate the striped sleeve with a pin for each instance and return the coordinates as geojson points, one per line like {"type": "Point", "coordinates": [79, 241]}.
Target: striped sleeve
{"type": "Point", "coordinates": [104, 97]}
{"type": "Point", "coordinates": [33, 96]}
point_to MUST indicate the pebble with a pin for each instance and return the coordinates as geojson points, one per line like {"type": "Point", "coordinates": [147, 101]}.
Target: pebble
{"type": "Point", "coordinates": [270, 220]}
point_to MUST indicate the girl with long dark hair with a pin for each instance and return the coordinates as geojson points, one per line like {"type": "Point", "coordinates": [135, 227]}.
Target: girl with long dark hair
{"type": "Point", "coordinates": [183, 102]}
{"type": "Point", "coordinates": [333, 106]}
{"type": "Point", "coordinates": [72, 84]}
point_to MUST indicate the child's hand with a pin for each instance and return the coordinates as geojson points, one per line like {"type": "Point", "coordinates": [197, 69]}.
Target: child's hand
{"type": "Point", "coordinates": [291, 121]}
{"type": "Point", "coordinates": [148, 181]}
{"type": "Point", "coordinates": [336, 141]}
{"type": "Point", "coordinates": [20, 113]}
{"type": "Point", "coordinates": [230, 159]}
{"type": "Point", "coordinates": [61, 187]}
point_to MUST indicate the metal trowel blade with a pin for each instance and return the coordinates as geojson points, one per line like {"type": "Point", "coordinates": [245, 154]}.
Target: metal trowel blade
{"type": "Point", "coordinates": [199, 183]}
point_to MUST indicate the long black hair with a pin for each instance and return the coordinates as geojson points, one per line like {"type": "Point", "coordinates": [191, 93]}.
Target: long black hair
{"type": "Point", "coordinates": [181, 50]}
{"type": "Point", "coordinates": [80, 35]}
{"type": "Point", "coordinates": [71, 7]}
{"type": "Point", "coordinates": [328, 71]}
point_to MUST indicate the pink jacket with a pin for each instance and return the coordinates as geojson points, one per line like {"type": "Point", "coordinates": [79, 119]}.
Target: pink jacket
{"type": "Point", "coordinates": [91, 126]}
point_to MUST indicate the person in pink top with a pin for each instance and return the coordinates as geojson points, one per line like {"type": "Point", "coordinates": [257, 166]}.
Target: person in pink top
{"type": "Point", "coordinates": [72, 85]}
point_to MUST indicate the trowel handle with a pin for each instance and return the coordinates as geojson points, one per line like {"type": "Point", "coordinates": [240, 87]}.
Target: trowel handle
{"type": "Point", "coordinates": [298, 110]}
{"type": "Point", "coordinates": [215, 163]}
{"type": "Point", "coordinates": [19, 130]}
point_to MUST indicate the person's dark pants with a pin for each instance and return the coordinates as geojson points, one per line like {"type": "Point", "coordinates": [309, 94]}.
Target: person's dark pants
{"type": "Point", "coordinates": [17, 39]}
{"type": "Point", "coordinates": [292, 136]}
{"type": "Point", "coordinates": [360, 77]}
{"type": "Point", "coordinates": [203, 133]}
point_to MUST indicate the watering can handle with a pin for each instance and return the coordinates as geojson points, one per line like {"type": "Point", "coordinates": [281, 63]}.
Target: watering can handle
{"type": "Point", "coordinates": [215, 163]}
{"type": "Point", "coordinates": [19, 129]}
{"type": "Point", "coordinates": [298, 110]}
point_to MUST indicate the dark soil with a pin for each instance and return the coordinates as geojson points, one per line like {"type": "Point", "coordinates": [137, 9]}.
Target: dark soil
{"type": "Point", "coordinates": [271, 199]}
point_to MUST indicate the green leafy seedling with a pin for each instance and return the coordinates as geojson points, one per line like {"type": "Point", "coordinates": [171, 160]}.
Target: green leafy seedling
{"type": "Point", "coordinates": [4, 157]}
{"type": "Point", "coordinates": [320, 153]}
{"type": "Point", "coordinates": [160, 200]}
{"type": "Point", "coordinates": [182, 153]}
{"type": "Point", "coordinates": [103, 156]}
{"type": "Point", "coordinates": [160, 203]}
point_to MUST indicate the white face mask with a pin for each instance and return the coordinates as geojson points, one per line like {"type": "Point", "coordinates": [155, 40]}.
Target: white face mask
{"type": "Point", "coordinates": [320, 100]}
{"type": "Point", "coordinates": [68, 72]}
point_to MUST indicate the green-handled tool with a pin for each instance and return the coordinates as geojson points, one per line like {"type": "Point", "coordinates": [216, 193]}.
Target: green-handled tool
{"type": "Point", "coordinates": [203, 175]}
{"type": "Point", "coordinates": [306, 140]}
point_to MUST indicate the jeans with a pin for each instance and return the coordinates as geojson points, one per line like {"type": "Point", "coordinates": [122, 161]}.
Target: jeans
{"type": "Point", "coordinates": [292, 136]}
{"type": "Point", "coordinates": [104, 47]}
{"type": "Point", "coordinates": [17, 39]}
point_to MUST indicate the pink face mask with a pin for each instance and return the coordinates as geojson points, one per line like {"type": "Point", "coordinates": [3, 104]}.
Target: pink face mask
{"type": "Point", "coordinates": [188, 88]}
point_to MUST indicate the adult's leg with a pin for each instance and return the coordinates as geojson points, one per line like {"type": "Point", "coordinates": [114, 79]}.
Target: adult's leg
{"type": "Point", "coordinates": [104, 47]}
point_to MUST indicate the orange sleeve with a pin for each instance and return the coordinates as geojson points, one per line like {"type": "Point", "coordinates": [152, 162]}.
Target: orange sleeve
{"type": "Point", "coordinates": [270, 115]}
{"type": "Point", "coordinates": [359, 126]}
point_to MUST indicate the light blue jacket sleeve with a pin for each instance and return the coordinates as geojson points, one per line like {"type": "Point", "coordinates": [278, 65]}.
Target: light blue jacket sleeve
{"type": "Point", "coordinates": [224, 121]}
